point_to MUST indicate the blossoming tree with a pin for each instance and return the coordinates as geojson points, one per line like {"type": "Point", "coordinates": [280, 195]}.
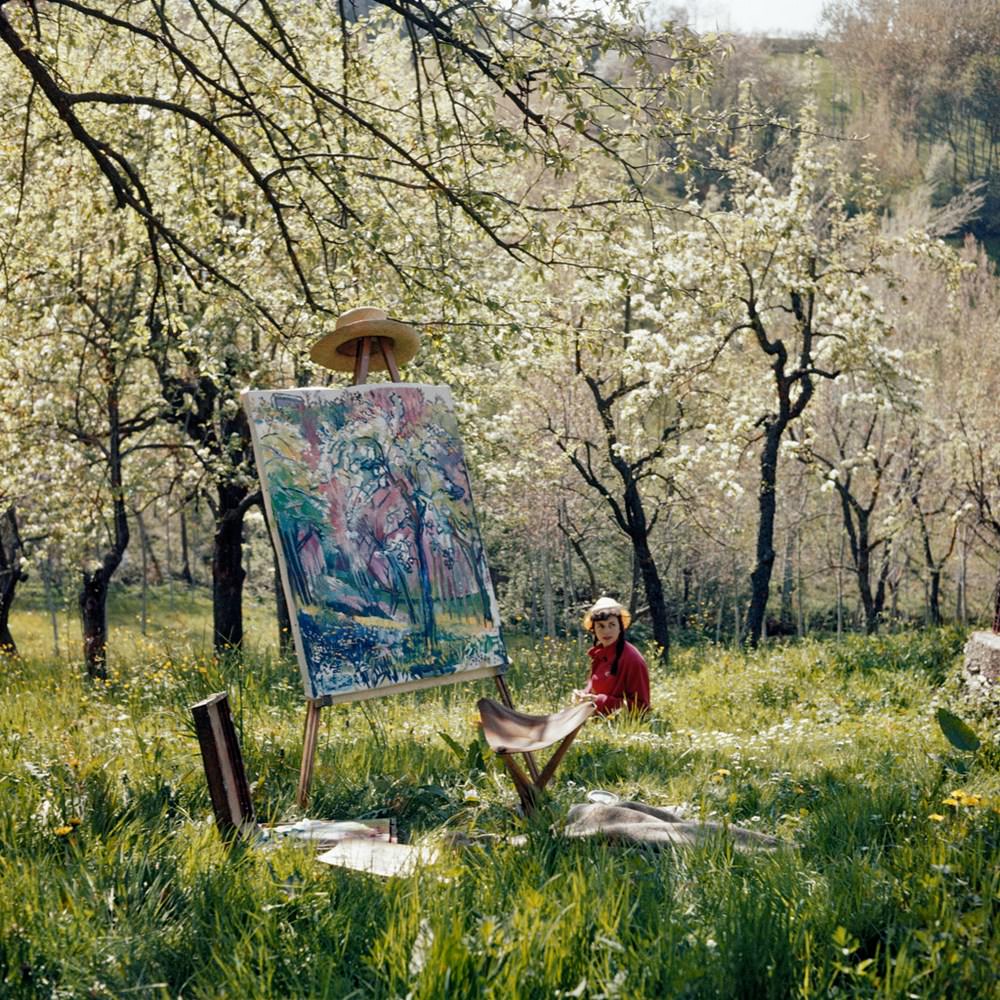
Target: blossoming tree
{"type": "Point", "coordinates": [770, 290]}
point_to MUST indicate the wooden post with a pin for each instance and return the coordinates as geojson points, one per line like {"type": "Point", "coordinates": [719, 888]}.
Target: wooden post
{"type": "Point", "coordinates": [220, 752]}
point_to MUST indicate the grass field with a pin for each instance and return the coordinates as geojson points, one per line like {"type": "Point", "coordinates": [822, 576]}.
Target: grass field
{"type": "Point", "coordinates": [114, 882]}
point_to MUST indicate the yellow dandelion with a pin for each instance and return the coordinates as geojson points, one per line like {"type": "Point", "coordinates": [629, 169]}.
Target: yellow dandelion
{"type": "Point", "coordinates": [951, 801]}
{"type": "Point", "coordinates": [720, 774]}
{"type": "Point", "coordinates": [74, 821]}
{"type": "Point", "coordinates": [63, 831]}
{"type": "Point", "coordinates": [936, 817]}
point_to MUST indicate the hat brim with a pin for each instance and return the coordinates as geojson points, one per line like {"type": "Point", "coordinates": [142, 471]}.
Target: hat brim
{"type": "Point", "coordinates": [338, 348]}
{"type": "Point", "coordinates": [626, 619]}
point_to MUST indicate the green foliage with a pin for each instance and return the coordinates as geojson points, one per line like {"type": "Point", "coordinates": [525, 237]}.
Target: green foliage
{"type": "Point", "coordinates": [932, 651]}
{"type": "Point", "coordinates": [113, 879]}
{"type": "Point", "coordinates": [958, 733]}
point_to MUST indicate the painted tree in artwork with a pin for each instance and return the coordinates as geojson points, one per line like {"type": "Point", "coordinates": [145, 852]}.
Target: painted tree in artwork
{"type": "Point", "coordinates": [410, 482]}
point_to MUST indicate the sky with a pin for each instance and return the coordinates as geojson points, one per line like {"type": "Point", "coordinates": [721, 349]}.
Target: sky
{"type": "Point", "coordinates": [771, 17]}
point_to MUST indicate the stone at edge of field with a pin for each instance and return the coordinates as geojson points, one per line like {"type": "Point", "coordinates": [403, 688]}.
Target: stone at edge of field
{"type": "Point", "coordinates": [981, 671]}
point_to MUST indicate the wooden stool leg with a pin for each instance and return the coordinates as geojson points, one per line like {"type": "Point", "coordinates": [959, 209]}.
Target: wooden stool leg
{"type": "Point", "coordinates": [308, 753]}
{"type": "Point", "coordinates": [525, 789]}
{"type": "Point", "coordinates": [505, 697]}
{"type": "Point", "coordinates": [550, 767]}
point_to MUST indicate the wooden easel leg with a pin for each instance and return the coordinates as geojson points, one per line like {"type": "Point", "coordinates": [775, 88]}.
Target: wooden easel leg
{"type": "Point", "coordinates": [308, 753]}
{"type": "Point", "coordinates": [505, 697]}
{"type": "Point", "coordinates": [362, 358]}
{"type": "Point", "coordinates": [390, 357]}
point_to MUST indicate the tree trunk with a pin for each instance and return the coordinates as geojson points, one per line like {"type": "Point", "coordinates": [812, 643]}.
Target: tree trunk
{"type": "Point", "coordinates": [548, 597]}
{"type": "Point", "coordinates": [569, 595]}
{"type": "Point", "coordinates": [94, 622]}
{"type": "Point", "coordinates": [185, 554]}
{"type": "Point", "coordinates": [800, 597]}
{"type": "Point", "coordinates": [760, 579]}
{"type": "Point", "coordinates": [149, 556]}
{"type": "Point", "coordinates": [93, 599]}
{"type": "Point", "coordinates": [633, 591]}
{"type": "Point", "coordinates": [536, 625]}
{"type": "Point", "coordinates": [227, 568]}
{"type": "Point", "coordinates": [145, 580]}
{"type": "Point", "coordinates": [840, 590]}
{"type": "Point", "coordinates": [788, 584]}
{"type": "Point", "coordinates": [638, 528]}
{"type": "Point", "coordinates": [10, 574]}
{"type": "Point", "coordinates": [862, 569]}
{"type": "Point", "coordinates": [50, 601]}
{"type": "Point", "coordinates": [961, 604]}
{"type": "Point", "coordinates": [654, 594]}
{"type": "Point", "coordinates": [578, 549]}
{"type": "Point", "coordinates": [934, 597]}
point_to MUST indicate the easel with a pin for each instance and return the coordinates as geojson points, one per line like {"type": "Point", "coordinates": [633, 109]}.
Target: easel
{"type": "Point", "coordinates": [364, 350]}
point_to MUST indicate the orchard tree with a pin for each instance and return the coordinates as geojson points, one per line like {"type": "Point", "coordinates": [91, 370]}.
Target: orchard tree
{"type": "Point", "coordinates": [773, 291]}
{"type": "Point", "coordinates": [860, 450]}
{"type": "Point", "coordinates": [566, 391]}
{"type": "Point", "coordinates": [11, 572]}
{"type": "Point", "coordinates": [76, 387]}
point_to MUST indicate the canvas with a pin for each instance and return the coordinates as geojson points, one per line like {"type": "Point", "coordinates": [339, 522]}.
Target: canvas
{"type": "Point", "coordinates": [369, 500]}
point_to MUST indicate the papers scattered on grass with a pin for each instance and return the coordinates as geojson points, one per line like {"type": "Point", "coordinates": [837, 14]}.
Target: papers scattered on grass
{"type": "Point", "coordinates": [326, 833]}
{"type": "Point", "coordinates": [378, 857]}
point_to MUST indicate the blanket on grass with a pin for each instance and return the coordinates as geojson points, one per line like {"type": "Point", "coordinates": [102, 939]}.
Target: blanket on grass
{"type": "Point", "coordinates": [638, 823]}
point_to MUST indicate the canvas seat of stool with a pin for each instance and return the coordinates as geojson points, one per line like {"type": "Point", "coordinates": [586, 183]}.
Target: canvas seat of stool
{"type": "Point", "coordinates": [509, 732]}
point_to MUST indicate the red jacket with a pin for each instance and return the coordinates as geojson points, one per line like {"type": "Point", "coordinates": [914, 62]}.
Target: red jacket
{"type": "Point", "coordinates": [629, 686]}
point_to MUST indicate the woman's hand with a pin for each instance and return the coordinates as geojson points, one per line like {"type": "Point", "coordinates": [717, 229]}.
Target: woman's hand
{"type": "Point", "coordinates": [583, 696]}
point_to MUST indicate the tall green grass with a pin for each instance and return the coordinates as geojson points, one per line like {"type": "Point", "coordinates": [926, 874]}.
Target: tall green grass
{"type": "Point", "coordinates": [114, 883]}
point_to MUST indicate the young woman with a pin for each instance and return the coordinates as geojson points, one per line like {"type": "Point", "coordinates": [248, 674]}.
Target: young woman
{"type": "Point", "coordinates": [618, 673]}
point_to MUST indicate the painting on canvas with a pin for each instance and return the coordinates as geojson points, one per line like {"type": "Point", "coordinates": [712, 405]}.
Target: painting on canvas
{"type": "Point", "coordinates": [384, 571]}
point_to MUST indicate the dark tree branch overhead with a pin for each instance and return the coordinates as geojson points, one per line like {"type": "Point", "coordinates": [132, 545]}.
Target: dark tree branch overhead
{"type": "Point", "coordinates": [297, 144]}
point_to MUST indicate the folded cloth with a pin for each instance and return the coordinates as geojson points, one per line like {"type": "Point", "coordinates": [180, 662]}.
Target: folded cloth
{"type": "Point", "coordinates": [639, 823]}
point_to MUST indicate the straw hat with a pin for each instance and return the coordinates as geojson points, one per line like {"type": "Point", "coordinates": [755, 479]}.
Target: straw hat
{"type": "Point", "coordinates": [606, 605]}
{"type": "Point", "coordinates": [337, 349]}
